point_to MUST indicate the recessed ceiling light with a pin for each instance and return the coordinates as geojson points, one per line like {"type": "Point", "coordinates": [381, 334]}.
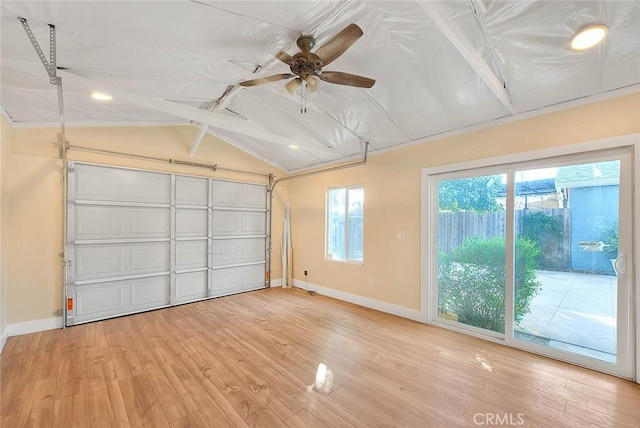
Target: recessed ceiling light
{"type": "Point", "coordinates": [589, 36]}
{"type": "Point", "coordinates": [293, 147]}
{"type": "Point", "coordinates": [100, 96]}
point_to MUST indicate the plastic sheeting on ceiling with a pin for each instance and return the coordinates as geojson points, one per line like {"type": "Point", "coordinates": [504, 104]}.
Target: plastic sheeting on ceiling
{"type": "Point", "coordinates": [185, 54]}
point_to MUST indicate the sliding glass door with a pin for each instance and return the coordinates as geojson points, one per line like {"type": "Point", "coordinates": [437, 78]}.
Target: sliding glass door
{"type": "Point", "coordinates": [535, 255]}
{"type": "Point", "coordinates": [471, 252]}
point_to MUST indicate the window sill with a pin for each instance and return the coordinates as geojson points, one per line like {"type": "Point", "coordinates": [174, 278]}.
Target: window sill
{"type": "Point", "coordinates": [349, 262]}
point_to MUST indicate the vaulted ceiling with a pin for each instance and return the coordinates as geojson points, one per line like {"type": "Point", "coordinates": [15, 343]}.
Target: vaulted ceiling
{"type": "Point", "coordinates": [439, 66]}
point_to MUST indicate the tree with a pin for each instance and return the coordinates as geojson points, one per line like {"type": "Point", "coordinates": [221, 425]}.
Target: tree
{"type": "Point", "coordinates": [470, 194]}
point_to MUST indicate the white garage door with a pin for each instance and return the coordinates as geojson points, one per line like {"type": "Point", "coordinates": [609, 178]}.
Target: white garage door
{"type": "Point", "coordinates": [139, 240]}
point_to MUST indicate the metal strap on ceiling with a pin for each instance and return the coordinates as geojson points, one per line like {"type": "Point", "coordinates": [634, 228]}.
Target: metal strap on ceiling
{"type": "Point", "coordinates": [51, 69]}
{"type": "Point", "coordinates": [49, 66]}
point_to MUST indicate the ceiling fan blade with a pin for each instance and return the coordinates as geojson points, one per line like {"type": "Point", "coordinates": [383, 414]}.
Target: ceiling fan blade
{"type": "Point", "coordinates": [267, 79]}
{"type": "Point", "coordinates": [286, 58]}
{"type": "Point", "coordinates": [347, 79]}
{"type": "Point", "coordinates": [339, 43]}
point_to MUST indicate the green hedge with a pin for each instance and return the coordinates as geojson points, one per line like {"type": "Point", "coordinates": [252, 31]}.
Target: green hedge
{"type": "Point", "coordinates": [471, 282]}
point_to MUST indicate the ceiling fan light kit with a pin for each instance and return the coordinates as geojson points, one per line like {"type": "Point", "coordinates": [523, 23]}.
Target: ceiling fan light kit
{"type": "Point", "coordinates": [307, 67]}
{"type": "Point", "coordinates": [312, 83]}
{"type": "Point", "coordinates": [292, 86]}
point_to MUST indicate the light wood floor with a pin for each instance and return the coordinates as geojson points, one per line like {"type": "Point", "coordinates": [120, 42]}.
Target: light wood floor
{"type": "Point", "coordinates": [252, 359]}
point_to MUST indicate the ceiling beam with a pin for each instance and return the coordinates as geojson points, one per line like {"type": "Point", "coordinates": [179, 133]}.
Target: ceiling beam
{"type": "Point", "coordinates": [212, 119]}
{"type": "Point", "coordinates": [222, 102]}
{"type": "Point", "coordinates": [211, 106]}
{"type": "Point", "coordinates": [456, 36]}
{"type": "Point", "coordinates": [196, 142]}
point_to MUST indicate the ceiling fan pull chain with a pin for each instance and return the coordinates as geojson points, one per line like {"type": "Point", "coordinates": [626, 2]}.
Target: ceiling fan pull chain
{"type": "Point", "coordinates": [303, 96]}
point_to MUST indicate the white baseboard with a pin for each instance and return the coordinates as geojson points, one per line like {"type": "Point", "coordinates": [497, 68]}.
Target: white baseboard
{"type": "Point", "coordinates": [276, 282]}
{"type": "Point", "coordinates": [3, 338]}
{"type": "Point", "coordinates": [378, 305]}
{"type": "Point", "coordinates": [26, 327]}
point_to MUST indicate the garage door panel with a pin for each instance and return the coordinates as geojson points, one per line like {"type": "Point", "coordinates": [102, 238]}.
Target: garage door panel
{"type": "Point", "coordinates": [94, 222]}
{"type": "Point", "coordinates": [224, 281]}
{"type": "Point", "coordinates": [254, 196]}
{"type": "Point", "coordinates": [237, 279]}
{"type": "Point", "coordinates": [98, 183]}
{"type": "Point", "coordinates": [116, 222]}
{"type": "Point", "coordinates": [150, 222]}
{"type": "Point", "coordinates": [108, 260]}
{"type": "Point", "coordinates": [253, 223]}
{"type": "Point", "coordinates": [106, 299]}
{"type": "Point", "coordinates": [191, 286]}
{"type": "Point", "coordinates": [98, 300]}
{"type": "Point", "coordinates": [253, 276]}
{"type": "Point", "coordinates": [150, 188]}
{"type": "Point", "coordinates": [96, 261]}
{"type": "Point", "coordinates": [238, 223]}
{"type": "Point", "coordinates": [238, 195]}
{"type": "Point", "coordinates": [225, 223]}
{"type": "Point", "coordinates": [150, 257]}
{"type": "Point", "coordinates": [234, 251]}
{"type": "Point", "coordinates": [191, 223]}
{"type": "Point", "coordinates": [95, 183]}
{"type": "Point", "coordinates": [192, 191]}
{"type": "Point", "coordinates": [253, 250]}
{"type": "Point", "coordinates": [150, 292]}
{"type": "Point", "coordinates": [191, 254]}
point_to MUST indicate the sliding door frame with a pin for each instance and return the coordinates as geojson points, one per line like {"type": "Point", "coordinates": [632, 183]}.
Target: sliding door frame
{"type": "Point", "coordinates": [612, 147]}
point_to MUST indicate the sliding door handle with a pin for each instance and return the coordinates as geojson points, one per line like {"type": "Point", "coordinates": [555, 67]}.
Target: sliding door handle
{"type": "Point", "coordinates": [620, 265]}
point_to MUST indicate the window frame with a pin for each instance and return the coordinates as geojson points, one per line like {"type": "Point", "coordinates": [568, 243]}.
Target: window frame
{"type": "Point", "coordinates": [346, 223]}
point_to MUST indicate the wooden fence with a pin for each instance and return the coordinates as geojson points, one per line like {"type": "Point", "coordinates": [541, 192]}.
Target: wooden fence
{"type": "Point", "coordinates": [454, 228]}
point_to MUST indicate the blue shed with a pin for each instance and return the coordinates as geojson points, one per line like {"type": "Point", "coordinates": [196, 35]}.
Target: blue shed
{"type": "Point", "coordinates": [591, 192]}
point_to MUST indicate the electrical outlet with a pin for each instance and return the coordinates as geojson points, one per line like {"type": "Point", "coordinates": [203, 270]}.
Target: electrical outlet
{"type": "Point", "coordinates": [57, 312]}
{"type": "Point", "coordinates": [370, 284]}
{"type": "Point", "coordinates": [306, 271]}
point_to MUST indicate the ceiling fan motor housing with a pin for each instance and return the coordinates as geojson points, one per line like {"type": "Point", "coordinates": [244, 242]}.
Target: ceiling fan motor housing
{"type": "Point", "coordinates": [304, 66]}
{"type": "Point", "coordinates": [306, 63]}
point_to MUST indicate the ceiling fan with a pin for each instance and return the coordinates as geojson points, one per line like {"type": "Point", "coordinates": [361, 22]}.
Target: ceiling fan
{"type": "Point", "coordinates": [306, 66]}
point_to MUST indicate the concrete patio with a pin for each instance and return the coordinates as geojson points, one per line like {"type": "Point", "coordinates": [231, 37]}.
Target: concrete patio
{"type": "Point", "coordinates": [575, 312]}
